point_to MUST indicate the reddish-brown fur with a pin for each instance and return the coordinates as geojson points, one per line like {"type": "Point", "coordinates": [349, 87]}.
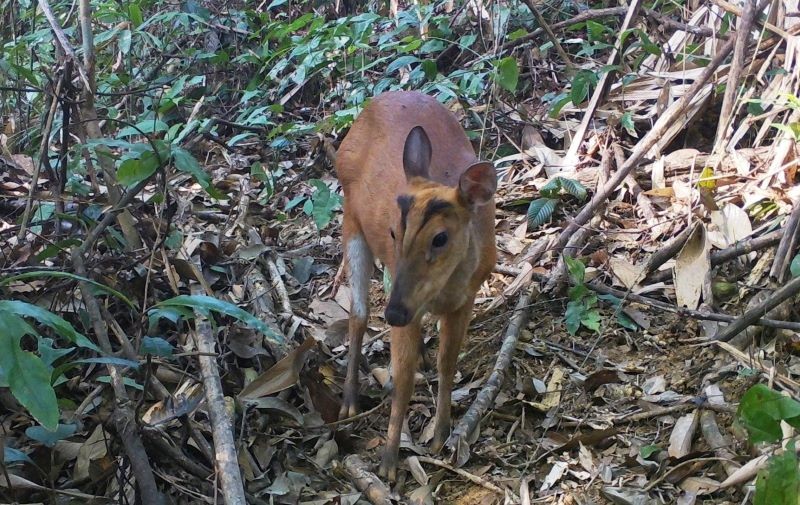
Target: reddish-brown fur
{"type": "Point", "coordinates": [406, 144]}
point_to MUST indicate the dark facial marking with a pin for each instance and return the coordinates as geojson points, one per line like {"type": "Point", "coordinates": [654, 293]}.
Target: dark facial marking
{"type": "Point", "coordinates": [404, 202]}
{"type": "Point", "coordinates": [434, 207]}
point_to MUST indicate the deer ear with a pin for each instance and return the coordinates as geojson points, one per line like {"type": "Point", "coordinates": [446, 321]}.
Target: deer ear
{"type": "Point", "coordinates": [478, 184]}
{"type": "Point", "coordinates": [417, 154]}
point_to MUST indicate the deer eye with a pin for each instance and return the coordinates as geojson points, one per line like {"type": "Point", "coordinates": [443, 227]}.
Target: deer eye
{"type": "Point", "coordinates": [440, 240]}
{"type": "Point", "coordinates": [391, 232]}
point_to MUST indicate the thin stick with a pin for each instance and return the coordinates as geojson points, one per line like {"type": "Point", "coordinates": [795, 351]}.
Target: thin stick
{"type": "Point", "coordinates": [783, 256]}
{"type": "Point", "coordinates": [463, 473]}
{"type": "Point", "coordinates": [550, 35]}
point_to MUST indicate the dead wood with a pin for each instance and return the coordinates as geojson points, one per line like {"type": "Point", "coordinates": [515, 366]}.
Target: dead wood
{"type": "Point", "coordinates": [786, 292]}
{"type": "Point", "coordinates": [484, 399]}
{"type": "Point", "coordinates": [744, 246]}
{"type": "Point", "coordinates": [786, 247]}
{"type": "Point", "coordinates": [226, 459]}
{"type": "Point", "coordinates": [365, 481]}
{"type": "Point", "coordinates": [123, 417]}
{"type": "Point", "coordinates": [718, 442]}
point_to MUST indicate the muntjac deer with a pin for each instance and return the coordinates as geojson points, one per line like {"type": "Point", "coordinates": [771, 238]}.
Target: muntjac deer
{"type": "Point", "coordinates": [417, 198]}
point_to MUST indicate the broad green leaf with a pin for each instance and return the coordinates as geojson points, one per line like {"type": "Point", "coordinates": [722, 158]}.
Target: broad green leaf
{"type": "Point", "coordinates": [573, 187]}
{"type": "Point", "coordinates": [508, 73]}
{"type": "Point", "coordinates": [573, 316]}
{"type": "Point", "coordinates": [11, 455]}
{"type": "Point", "coordinates": [135, 15]}
{"type": "Point", "coordinates": [105, 379]}
{"type": "Point", "coordinates": [109, 360]}
{"type": "Point", "coordinates": [143, 128]}
{"type": "Point", "coordinates": [204, 304]}
{"type": "Point", "coordinates": [794, 267]}
{"type": "Point", "coordinates": [625, 321]}
{"type": "Point", "coordinates": [134, 170]}
{"type": "Point", "coordinates": [125, 41]}
{"type": "Point", "coordinates": [540, 211]}
{"type": "Point", "coordinates": [429, 67]}
{"type": "Point", "coordinates": [627, 123]}
{"type": "Point", "coordinates": [47, 318]}
{"type": "Point", "coordinates": [576, 268]}
{"type": "Point", "coordinates": [50, 437]}
{"type": "Point", "coordinates": [516, 34]}
{"type": "Point", "coordinates": [67, 275]}
{"type": "Point", "coordinates": [29, 381]}
{"type": "Point", "coordinates": [552, 189]}
{"type": "Point", "coordinates": [51, 354]}
{"type": "Point", "coordinates": [582, 83]}
{"type": "Point", "coordinates": [185, 162]}
{"type": "Point", "coordinates": [322, 204]}
{"type": "Point", "coordinates": [591, 319]}
{"type": "Point", "coordinates": [779, 483]}
{"type": "Point", "coordinates": [156, 346]}
{"type": "Point", "coordinates": [401, 62]}
{"type": "Point", "coordinates": [761, 410]}
{"type": "Point", "coordinates": [648, 450]}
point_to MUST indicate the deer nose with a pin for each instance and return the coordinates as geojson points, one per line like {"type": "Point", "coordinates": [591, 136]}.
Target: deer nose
{"type": "Point", "coordinates": [397, 314]}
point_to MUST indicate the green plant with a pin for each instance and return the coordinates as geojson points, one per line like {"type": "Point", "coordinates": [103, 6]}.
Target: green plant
{"type": "Point", "coordinates": [582, 308]}
{"type": "Point", "coordinates": [794, 267]}
{"type": "Point", "coordinates": [541, 209]}
{"type": "Point", "coordinates": [761, 411]}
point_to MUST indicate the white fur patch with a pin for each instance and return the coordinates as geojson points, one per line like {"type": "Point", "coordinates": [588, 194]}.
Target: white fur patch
{"type": "Point", "coordinates": [359, 259]}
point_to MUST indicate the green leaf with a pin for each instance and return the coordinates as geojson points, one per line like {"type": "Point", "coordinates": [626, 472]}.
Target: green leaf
{"type": "Point", "coordinates": [573, 316]}
{"type": "Point", "coordinates": [581, 85]}
{"type": "Point", "coordinates": [322, 204]}
{"type": "Point", "coordinates": [625, 321]}
{"type": "Point", "coordinates": [591, 319]}
{"type": "Point", "coordinates": [50, 437]}
{"type": "Point", "coordinates": [29, 380]}
{"type": "Point", "coordinates": [185, 162]}
{"type": "Point", "coordinates": [779, 483]}
{"type": "Point", "coordinates": [204, 304]}
{"type": "Point", "coordinates": [430, 69]}
{"type": "Point", "coordinates": [648, 450]}
{"type": "Point", "coordinates": [508, 73]}
{"type": "Point", "coordinates": [627, 122]}
{"type": "Point", "coordinates": [133, 171]}
{"type": "Point", "coordinates": [794, 267]}
{"type": "Point", "coordinates": [125, 41]}
{"type": "Point", "coordinates": [401, 62]}
{"type": "Point", "coordinates": [144, 127]}
{"type": "Point", "coordinates": [792, 129]}
{"type": "Point", "coordinates": [156, 346]}
{"type": "Point", "coordinates": [540, 211]}
{"type": "Point", "coordinates": [761, 410]}
{"type": "Point", "coordinates": [135, 15]}
{"type": "Point", "coordinates": [66, 275]}
{"type": "Point", "coordinates": [516, 34]}
{"type": "Point", "coordinates": [576, 268]}
{"type": "Point", "coordinates": [11, 455]}
{"type": "Point", "coordinates": [573, 187]}
{"type": "Point", "coordinates": [47, 318]}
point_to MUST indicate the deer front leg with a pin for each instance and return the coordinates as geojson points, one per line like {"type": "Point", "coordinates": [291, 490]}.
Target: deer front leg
{"type": "Point", "coordinates": [359, 260]}
{"type": "Point", "coordinates": [454, 328]}
{"type": "Point", "coordinates": [405, 353]}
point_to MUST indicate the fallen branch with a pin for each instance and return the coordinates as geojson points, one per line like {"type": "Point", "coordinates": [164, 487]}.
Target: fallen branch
{"type": "Point", "coordinates": [466, 425]}
{"type": "Point", "coordinates": [365, 481]}
{"type": "Point", "coordinates": [123, 417]}
{"type": "Point", "coordinates": [226, 460]}
{"type": "Point", "coordinates": [788, 290]}
{"type": "Point", "coordinates": [671, 115]}
{"type": "Point", "coordinates": [718, 442]}
{"type": "Point", "coordinates": [740, 248]}
{"type": "Point", "coordinates": [550, 35]}
{"type": "Point", "coordinates": [783, 255]}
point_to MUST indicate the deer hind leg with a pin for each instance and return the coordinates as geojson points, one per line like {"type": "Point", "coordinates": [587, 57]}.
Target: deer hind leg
{"type": "Point", "coordinates": [454, 329]}
{"type": "Point", "coordinates": [360, 265]}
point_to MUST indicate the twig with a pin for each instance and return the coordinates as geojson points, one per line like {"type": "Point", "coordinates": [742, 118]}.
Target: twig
{"type": "Point", "coordinates": [603, 85]}
{"type": "Point", "coordinates": [365, 481]}
{"type": "Point", "coordinates": [695, 314]}
{"type": "Point", "coordinates": [550, 35]}
{"type": "Point", "coordinates": [643, 146]}
{"type": "Point", "coordinates": [463, 473]}
{"type": "Point", "coordinates": [123, 417]}
{"type": "Point", "coordinates": [788, 290]}
{"type": "Point", "coordinates": [61, 37]}
{"type": "Point", "coordinates": [735, 72]}
{"type": "Point", "coordinates": [783, 255]}
{"type": "Point", "coordinates": [487, 394]}
{"type": "Point", "coordinates": [667, 251]}
{"type": "Point", "coordinates": [661, 411]}
{"type": "Point", "coordinates": [283, 297]}
{"type": "Point", "coordinates": [226, 463]}
{"type": "Point", "coordinates": [740, 248]}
